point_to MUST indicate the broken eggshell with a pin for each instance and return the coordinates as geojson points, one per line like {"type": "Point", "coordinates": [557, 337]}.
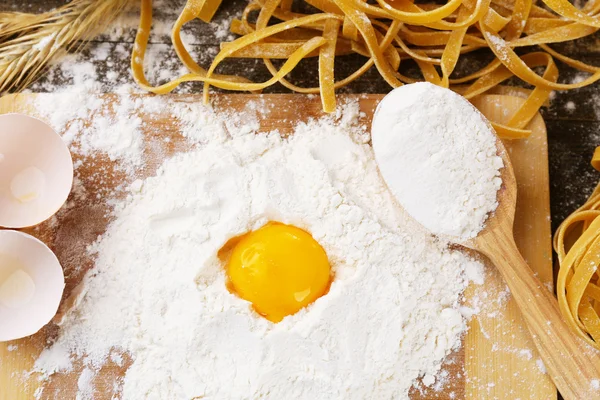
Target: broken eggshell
{"type": "Point", "coordinates": [31, 285]}
{"type": "Point", "coordinates": [36, 171]}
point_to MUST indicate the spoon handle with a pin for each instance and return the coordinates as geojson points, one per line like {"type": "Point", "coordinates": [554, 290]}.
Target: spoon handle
{"type": "Point", "coordinates": [572, 364]}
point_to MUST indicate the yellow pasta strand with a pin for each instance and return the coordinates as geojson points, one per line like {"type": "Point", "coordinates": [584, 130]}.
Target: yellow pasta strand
{"type": "Point", "coordinates": [208, 11]}
{"type": "Point", "coordinates": [513, 62]}
{"type": "Point", "coordinates": [326, 64]}
{"type": "Point", "coordinates": [190, 12]}
{"type": "Point", "coordinates": [393, 30]}
{"type": "Point", "coordinates": [596, 159]}
{"type": "Point", "coordinates": [359, 19]}
{"type": "Point", "coordinates": [569, 11]}
{"type": "Point", "coordinates": [553, 35]}
{"type": "Point", "coordinates": [349, 30]}
{"type": "Point", "coordinates": [520, 13]}
{"type": "Point", "coordinates": [577, 244]}
{"type": "Point", "coordinates": [418, 17]}
{"type": "Point", "coordinates": [536, 24]}
{"type": "Point", "coordinates": [452, 50]}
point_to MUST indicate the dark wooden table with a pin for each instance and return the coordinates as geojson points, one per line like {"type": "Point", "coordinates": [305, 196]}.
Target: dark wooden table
{"type": "Point", "coordinates": [572, 117]}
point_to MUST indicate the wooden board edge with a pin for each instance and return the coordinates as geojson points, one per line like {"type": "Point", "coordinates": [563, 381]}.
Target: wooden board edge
{"type": "Point", "coordinates": [367, 103]}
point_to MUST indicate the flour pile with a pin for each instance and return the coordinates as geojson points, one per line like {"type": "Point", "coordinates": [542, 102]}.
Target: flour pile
{"type": "Point", "coordinates": [158, 291]}
{"type": "Point", "coordinates": [437, 154]}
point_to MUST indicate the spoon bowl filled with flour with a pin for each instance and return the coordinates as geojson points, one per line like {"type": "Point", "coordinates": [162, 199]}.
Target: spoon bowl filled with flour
{"type": "Point", "coordinates": [439, 157]}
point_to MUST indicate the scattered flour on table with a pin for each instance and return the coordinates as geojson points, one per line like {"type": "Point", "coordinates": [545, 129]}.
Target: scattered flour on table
{"type": "Point", "coordinates": [112, 124]}
{"type": "Point", "coordinates": [89, 124]}
{"type": "Point", "coordinates": [85, 389]}
{"type": "Point", "coordinates": [105, 62]}
{"type": "Point", "coordinates": [158, 290]}
{"type": "Point", "coordinates": [438, 155]}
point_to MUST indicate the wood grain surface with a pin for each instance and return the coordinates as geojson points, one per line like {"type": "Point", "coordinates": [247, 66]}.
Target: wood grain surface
{"type": "Point", "coordinates": [497, 361]}
{"type": "Point", "coordinates": [570, 361]}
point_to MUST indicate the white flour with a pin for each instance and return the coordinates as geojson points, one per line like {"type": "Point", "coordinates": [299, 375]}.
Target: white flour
{"type": "Point", "coordinates": [158, 293]}
{"type": "Point", "coordinates": [85, 389]}
{"type": "Point", "coordinates": [437, 154]}
{"type": "Point", "coordinates": [92, 127]}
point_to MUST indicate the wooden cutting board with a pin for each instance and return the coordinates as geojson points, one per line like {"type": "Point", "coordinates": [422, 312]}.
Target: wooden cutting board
{"type": "Point", "coordinates": [497, 361]}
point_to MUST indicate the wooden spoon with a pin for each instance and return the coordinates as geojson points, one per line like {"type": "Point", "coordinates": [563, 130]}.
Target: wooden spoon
{"type": "Point", "coordinates": [571, 363]}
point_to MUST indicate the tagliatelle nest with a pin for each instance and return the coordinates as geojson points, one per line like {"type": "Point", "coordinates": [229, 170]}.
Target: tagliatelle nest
{"type": "Point", "coordinates": [433, 35]}
{"type": "Point", "coordinates": [577, 244]}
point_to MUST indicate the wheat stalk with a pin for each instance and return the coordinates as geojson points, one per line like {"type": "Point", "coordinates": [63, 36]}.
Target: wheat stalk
{"type": "Point", "coordinates": [29, 41]}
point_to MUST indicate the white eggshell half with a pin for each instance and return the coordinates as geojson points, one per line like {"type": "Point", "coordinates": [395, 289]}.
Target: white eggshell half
{"type": "Point", "coordinates": [31, 285]}
{"type": "Point", "coordinates": [36, 171]}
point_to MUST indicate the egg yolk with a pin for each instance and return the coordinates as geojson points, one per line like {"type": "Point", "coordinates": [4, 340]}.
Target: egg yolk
{"type": "Point", "coordinates": [279, 269]}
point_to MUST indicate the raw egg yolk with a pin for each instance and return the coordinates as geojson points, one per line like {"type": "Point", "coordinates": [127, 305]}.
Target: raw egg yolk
{"type": "Point", "coordinates": [279, 269]}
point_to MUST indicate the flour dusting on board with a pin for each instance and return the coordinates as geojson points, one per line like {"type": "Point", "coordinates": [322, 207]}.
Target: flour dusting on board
{"type": "Point", "coordinates": [93, 126]}
{"type": "Point", "coordinates": [157, 293]}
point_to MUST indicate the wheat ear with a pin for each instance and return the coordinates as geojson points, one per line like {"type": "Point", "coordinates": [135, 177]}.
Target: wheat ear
{"type": "Point", "coordinates": [29, 41]}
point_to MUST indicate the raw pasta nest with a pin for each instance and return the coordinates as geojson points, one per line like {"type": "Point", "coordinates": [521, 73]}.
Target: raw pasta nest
{"type": "Point", "coordinates": [433, 35]}
{"type": "Point", "coordinates": [577, 243]}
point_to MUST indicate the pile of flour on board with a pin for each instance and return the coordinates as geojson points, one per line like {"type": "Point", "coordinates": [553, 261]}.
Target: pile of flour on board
{"type": "Point", "coordinates": [157, 295]}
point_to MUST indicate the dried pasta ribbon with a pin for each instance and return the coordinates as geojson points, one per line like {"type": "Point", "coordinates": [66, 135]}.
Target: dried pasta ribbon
{"type": "Point", "coordinates": [393, 30]}
{"type": "Point", "coordinates": [191, 11]}
{"type": "Point", "coordinates": [266, 12]}
{"type": "Point", "coordinates": [429, 72]}
{"type": "Point", "coordinates": [365, 28]}
{"type": "Point", "coordinates": [513, 62]}
{"type": "Point", "coordinates": [257, 35]}
{"type": "Point", "coordinates": [390, 52]}
{"type": "Point", "coordinates": [495, 21]}
{"type": "Point", "coordinates": [349, 30]}
{"type": "Point", "coordinates": [139, 51]}
{"type": "Point", "coordinates": [221, 81]}
{"type": "Point", "coordinates": [596, 159]}
{"type": "Point", "coordinates": [577, 244]}
{"type": "Point", "coordinates": [326, 65]}
{"type": "Point", "coordinates": [569, 11]}
{"type": "Point", "coordinates": [423, 55]}
{"type": "Point", "coordinates": [562, 33]}
{"type": "Point", "coordinates": [496, 73]}
{"type": "Point", "coordinates": [536, 24]}
{"type": "Point", "coordinates": [520, 13]}
{"type": "Point", "coordinates": [452, 50]}
{"type": "Point", "coordinates": [508, 132]}
{"type": "Point", "coordinates": [427, 38]}
{"type": "Point", "coordinates": [283, 50]}
{"type": "Point", "coordinates": [479, 10]}
{"type": "Point", "coordinates": [417, 17]}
